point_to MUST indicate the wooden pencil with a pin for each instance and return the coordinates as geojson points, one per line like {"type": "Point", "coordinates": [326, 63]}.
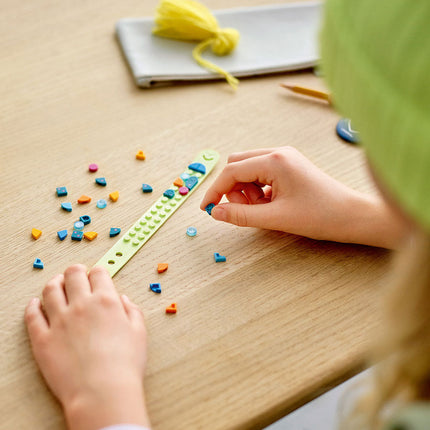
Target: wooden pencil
{"type": "Point", "coordinates": [308, 92]}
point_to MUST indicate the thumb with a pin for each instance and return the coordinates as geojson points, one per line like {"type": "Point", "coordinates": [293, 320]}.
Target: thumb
{"type": "Point", "coordinates": [243, 215]}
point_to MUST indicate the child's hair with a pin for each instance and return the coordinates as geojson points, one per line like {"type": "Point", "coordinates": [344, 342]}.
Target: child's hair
{"type": "Point", "coordinates": [401, 374]}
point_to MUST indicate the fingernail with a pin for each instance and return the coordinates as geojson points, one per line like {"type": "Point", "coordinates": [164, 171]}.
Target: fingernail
{"type": "Point", "coordinates": [34, 300]}
{"type": "Point", "coordinates": [124, 297]}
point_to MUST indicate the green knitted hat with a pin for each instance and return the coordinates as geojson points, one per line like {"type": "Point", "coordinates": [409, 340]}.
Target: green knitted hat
{"type": "Point", "coordinates": [376, 59]}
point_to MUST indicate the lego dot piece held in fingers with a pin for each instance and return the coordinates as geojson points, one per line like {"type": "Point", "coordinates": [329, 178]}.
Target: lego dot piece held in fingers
{"type": "Point", "coordinates": [178, 182]}
{"type": "Point", "coordinates": [156, 288]}
{"type": "Point", "coordinates": [78, 225]}
{"type": "Point", "coordinates": [191, 231]}
{"type": "Point", "coordinates": [86, 219]}
{"type": "Point", "coordinates": [67, 206]}
{"type": "Point", "coordinates": [93, 167]}
{"type": "Point", "coordinates": [114, 231]}
{"type": "Point", "coordinates": [183, 191]}
{"type": "Point", "coordinates": [101, 181]}
{"type": "Point", "coordinates": [169, 194]}
{"type": "Point", "coordinates": [38, 263]}
{"type": "Point", "coordinates": [198, 167]}
{"type": "Point", "coordinates": [209, 208]}
{"type": "Point", "coordinates": [140, 155]}
{"type": "Point", "coordinates": [90, 235]}
{"type": "Point", "coordinates": [219, 258]}
{"type": "Point", "coordinates": [77, 235]}
{"type": "Point", "coordinates": [146, 188]}
{"type": "Point", "coordinates": [61, 191]}
{"type": "Point", "coordinates": [114, 196]}
{"type": "Point", "coordinates": [162, 267]}
{"type": "Point", "coordinates": [84, 199]}
{"type": "Point", "coordinates": [191, 182]}
{"type": "Point", "coordinates": [101, 204]}
{"type": "Point", "coordinates": [35, 233]}
{"type": "Point", "coordinates": [62, 234]}
{"type": "Point", "coordinates": [171, 309]}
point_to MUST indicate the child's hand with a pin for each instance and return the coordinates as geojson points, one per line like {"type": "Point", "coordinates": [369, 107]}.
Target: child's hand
{"type": "Point", "coordinates": [90, 346]}
{"type": "Point", "coordinates": [280, 189]}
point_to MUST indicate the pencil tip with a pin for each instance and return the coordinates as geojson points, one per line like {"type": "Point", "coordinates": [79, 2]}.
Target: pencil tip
{"type": "Point", "coordinates": [289, 87]}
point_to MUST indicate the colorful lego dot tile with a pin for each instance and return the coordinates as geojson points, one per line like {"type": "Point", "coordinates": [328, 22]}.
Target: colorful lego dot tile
{"type": "Point", "coordinates": [36, 233]}
{"type": "Point", "coordinates": [101, 204]}
{"type": "Point", "coordinates": [114, 231]}
{"type": "Point", "coordinates": [178, 182]}
{"type": "Point", "coordinates": [219, 258]}
{"type": "Point", "coordinates": [185, 176]}
{"type": "Point", "coordinates": [140, 155]}
{"type": "Point", "coordinates": [162, 267]}
{"type": "Point", "coordinates": [209, 208]}
{"type": "Point", "coordinates": [93, 167]}
{"type": "Point", "coordinates": [171, 309]}
{"type": "Point", "coordinates": [198, 167]}
{"type": "Point", "coordinates": [86, 219]}
{"type": "Point", "coordinates": [191, 231]}
{"type": "Point", "coordinates": [114, 196]}
{"type": "Point", "coordinates": [146, 188]}
{"type": "Point", "coordinates": [78, 225]}
{"type": "Point", "coordinates": [101, 181]}
{"type": "Point", "coordinates": [191, 182]}
{"type": "Point", "coordinates": [155, 287]}
{"type": "Point", "coordinates": [66, 206]}
{"type": "Point", "coordinates": [183, 191]}
{"type": "Point", "coordinates": [61, 191]}
{"type": "Point", "coordinates": [90, 235]}
{"type": "Point", "coordinates": [38, 264]}
{"type": "Point", "coordinates": [169, 194]}
{"type": "Point", "coordinates": [77, 235]}
{"type": "Point", "coordinates": [84, 199]}
{"type": "Point", "coordinates": [62, 234]}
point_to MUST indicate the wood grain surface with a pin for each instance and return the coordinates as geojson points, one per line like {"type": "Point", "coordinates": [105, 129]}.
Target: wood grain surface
{"type": "Point", "coordinates": [281, 321]}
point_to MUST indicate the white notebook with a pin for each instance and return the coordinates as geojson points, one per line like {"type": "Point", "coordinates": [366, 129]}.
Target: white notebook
{"type": "Point", "coordinates": [273, 39]}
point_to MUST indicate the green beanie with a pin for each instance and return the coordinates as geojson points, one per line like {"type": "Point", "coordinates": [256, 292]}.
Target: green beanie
{"type": "Point", "coordinates": [376, 59]}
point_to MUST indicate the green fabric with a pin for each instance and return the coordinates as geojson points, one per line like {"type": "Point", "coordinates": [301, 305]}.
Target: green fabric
{"type": "Point", "coordinates": [414, 417]}
{"type": "Point", "coordinates": [376, 59]}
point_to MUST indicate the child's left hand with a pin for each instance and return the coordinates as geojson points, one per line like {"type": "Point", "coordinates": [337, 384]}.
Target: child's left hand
{"type": "Point", "coordinates": [90, 345]}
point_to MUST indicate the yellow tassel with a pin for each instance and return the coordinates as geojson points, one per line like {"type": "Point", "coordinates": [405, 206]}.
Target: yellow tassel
{"type": "Point", "coordinates": [190, 20]}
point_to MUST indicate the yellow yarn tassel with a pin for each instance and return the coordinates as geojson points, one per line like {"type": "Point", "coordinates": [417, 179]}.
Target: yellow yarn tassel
{"type": "Point", "coordinates": [190, 20]}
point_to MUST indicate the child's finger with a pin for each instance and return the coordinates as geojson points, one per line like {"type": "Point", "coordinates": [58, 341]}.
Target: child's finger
{"type": "Point", "coordinates": [132, 310]}
{"type": "Point", "coordinates": [34, 319]}
{"type": "Point", "coordinates": [100, 280]}
{"type": "Point", "coordinates": [239, 156]}
{"type": "Point", "coordinates": [76, 283]}
{"type": "Point", "coordinates": [254, 193]}
{"type": "Point", "coordinates": [237, 197]}
{"type": "Point", "coordinates": [243, 215]}
{"type": "Point", "coordinates": [251, 170]}
{"type": "Point", "coordinates": [54, 298]}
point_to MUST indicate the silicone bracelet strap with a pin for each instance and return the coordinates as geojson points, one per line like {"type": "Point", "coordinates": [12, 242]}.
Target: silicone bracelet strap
{"type": "Point", "coordinates": [149, 223]}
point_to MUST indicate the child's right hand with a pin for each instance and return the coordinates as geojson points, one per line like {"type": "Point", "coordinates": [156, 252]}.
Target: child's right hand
{"type": "Point", "coordinates": [280, 189]}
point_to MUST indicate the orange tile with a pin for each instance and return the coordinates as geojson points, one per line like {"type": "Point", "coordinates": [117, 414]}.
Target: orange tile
{"type": "Point", "coordinates": [171, 309]}
{"type": "Point", "coordinates": [90, 235]}
{"type": "Point", "coordinates": [178, 182]}
{"type": "Point", "coordinates": [140, 155]}
{"type": "Point", "coordinates": [114, 196]}
{"type": "Point", "coordinates": [36, 233]}
{"type": "Point", "coordinates": [84, 199]}
{"type": "Point", "coordinates": [162, 267]}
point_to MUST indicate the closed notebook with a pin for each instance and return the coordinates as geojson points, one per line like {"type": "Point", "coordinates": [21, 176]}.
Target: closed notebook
{"type": "Point", "coordinates": [272, 39]}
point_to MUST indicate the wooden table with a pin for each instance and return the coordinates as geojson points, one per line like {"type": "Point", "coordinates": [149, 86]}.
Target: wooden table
{"type": "Point", "coordinates": [283, 320]}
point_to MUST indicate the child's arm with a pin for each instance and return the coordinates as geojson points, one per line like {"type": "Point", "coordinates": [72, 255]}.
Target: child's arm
{"type": "Point", "coordinates": [90, 345]}
{"type": "Point", "coordinates": [280, 189]}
